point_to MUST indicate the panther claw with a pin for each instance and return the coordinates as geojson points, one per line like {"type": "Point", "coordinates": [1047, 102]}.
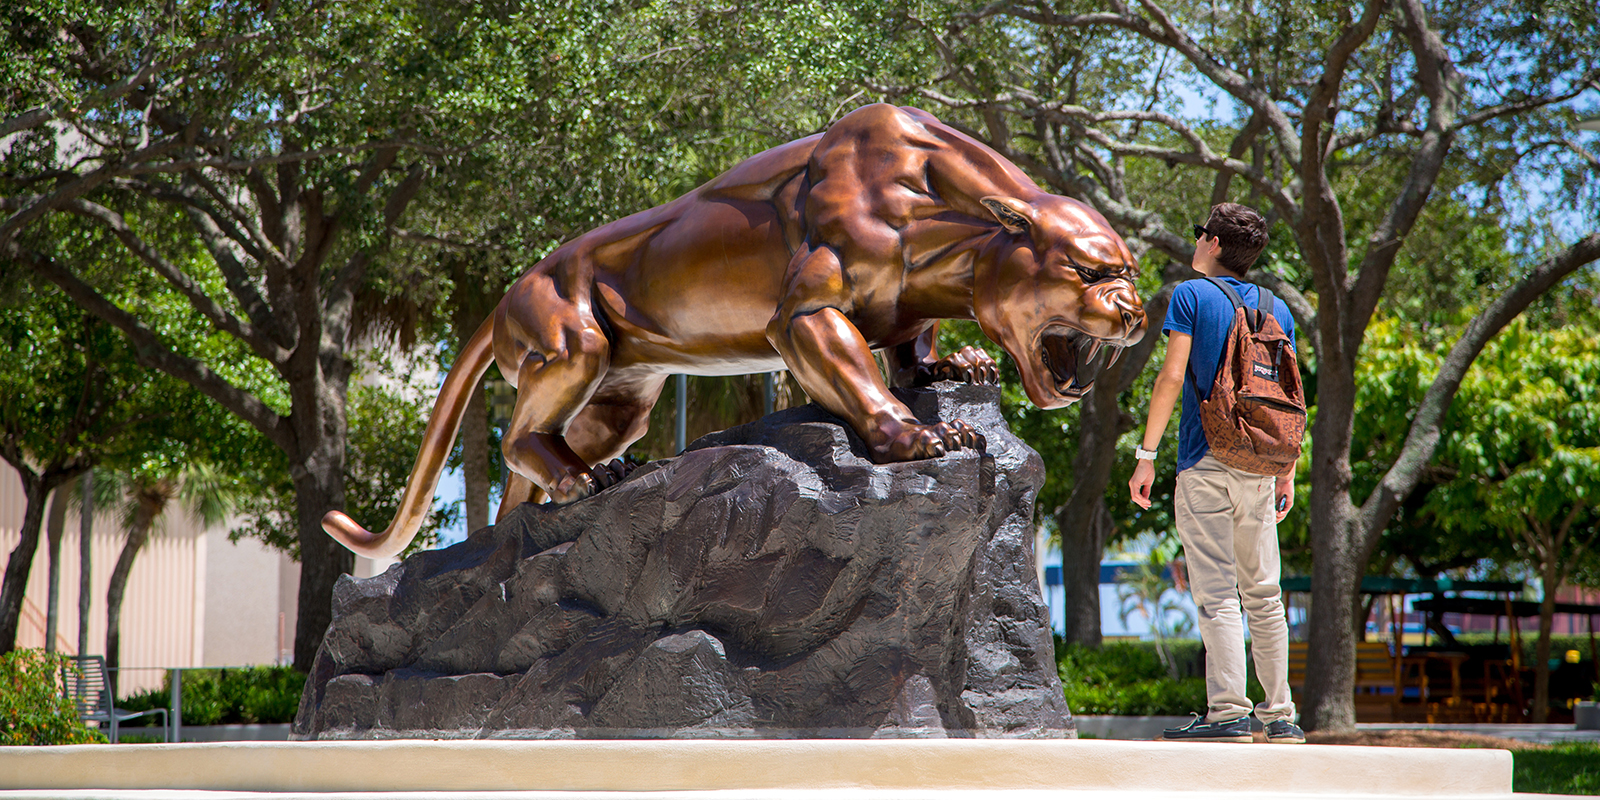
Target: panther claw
{"type": "Point", "coordinates": [967, 365]}
{"type": "Point", "coordinates": [929, 441]}
{"type": "Point", "coordinates": [593, 481]}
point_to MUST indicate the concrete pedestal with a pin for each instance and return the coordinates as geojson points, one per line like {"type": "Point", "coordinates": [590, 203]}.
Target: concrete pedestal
{"type": "Point", "coordinates": [768, 769]}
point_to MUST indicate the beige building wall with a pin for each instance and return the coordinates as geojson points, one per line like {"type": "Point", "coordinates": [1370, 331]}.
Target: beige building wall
{"type": "Point", "coordinates": [249, 602]}
{"type": "Point", "coordinates": [163, 616]}
{"type": "Point", "coordinates": [194, 599]}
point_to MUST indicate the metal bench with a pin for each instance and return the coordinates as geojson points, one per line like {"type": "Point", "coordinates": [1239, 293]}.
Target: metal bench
{"type": "Point", "coordinates": [90, 691]}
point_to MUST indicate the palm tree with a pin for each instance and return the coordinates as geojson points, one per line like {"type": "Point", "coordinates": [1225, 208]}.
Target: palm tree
{"type": "Point", "coordinates": [143, 497]}
{"type": "Point", "coordinates": [1145, 589]}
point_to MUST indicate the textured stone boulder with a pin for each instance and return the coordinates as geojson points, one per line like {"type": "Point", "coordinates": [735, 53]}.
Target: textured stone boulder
{"type": "Point", "coordinates": [771, 581]}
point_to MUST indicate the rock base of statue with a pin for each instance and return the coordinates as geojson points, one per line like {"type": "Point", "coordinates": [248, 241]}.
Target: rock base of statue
{"type": "Point", "coordinates": [770, 582]}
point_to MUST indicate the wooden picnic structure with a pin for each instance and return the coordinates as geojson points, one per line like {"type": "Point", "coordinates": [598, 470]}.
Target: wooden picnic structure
{"type": "Point", "coordinates": [1450, 681]}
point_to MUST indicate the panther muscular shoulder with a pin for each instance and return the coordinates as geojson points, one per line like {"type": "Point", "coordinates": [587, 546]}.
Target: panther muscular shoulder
{"type": "Point", "coordinates": [809, 257]}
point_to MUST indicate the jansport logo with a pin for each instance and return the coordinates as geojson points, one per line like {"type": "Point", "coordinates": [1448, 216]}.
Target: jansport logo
{"type": "Point", "coordinates": [1261, 370]}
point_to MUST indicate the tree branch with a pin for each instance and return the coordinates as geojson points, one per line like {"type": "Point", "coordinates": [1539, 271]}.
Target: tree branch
{"type": "Point", "coordinates": [30, 118]}
{"type": "Point", "coordinates": [1442, 85]}
{"type": "Point", "coordinates": [206, 161]}
{"type": "Point", "coordinates": [1223, 76]}
{"type": "Point", "coordinates": [1241, 142]}
{"type": "Point", "coordinates": [218, 233]}
{"type": "Point", "coordinates": [40, 113]}
{"type": "Point", "coordinates": [209, 308]}
{"type": "Point", "coordinates": [1591, 158]}
{"type": "Point", "coordinates": [1166, 33]}
{"type": "Point", "coordinates": [248, 233]}
{"type": "Point", "coordinates": [32, 208]}
{"type": "Point", "coordinates": [1202, 155]}
{"type": "Point", "coordinates": [1590, 81]}
{"type": "Point", "coordinates": [418, 237]}
{"type": "Point", "coordinates": [342, 292]}
{"type": "Point", "coordinates": [152, 352]}
{"type": "Point", "coordinates": [1322, 105]}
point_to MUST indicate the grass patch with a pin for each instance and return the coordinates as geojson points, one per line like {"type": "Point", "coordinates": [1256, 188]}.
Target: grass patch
{"type": "Point", "coordinates": [1572, 768]}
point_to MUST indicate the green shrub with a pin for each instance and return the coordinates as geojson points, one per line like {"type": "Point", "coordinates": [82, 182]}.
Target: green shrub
{"type": "Point", "coordinates": [1126, 678]}
{"type": "Point", "coordinates": [33, 707]}
{"type": "Point", "coordinates": [229, 696]}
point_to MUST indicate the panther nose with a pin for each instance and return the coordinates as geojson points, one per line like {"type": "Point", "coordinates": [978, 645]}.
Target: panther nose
{"type": "Point", "coordinates": [1123, 303]}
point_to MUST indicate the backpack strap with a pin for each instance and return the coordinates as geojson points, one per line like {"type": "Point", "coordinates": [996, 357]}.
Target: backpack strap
{"type": "Point", "coordinates": [1266, 304]}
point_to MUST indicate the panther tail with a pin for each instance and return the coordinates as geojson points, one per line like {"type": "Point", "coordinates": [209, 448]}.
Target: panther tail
{"type": "Point", "coordinates": [437, 441]}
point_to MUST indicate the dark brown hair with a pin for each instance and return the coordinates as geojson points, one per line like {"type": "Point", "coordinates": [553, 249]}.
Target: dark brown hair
{"type": "Point", "coordinates": [1242, 232]}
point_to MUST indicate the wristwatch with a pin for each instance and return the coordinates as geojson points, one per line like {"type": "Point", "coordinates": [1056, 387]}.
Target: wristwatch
{"type": "Point", "coordinates": [1142, 454]}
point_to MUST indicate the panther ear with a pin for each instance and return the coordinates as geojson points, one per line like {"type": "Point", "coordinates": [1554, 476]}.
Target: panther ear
{"type": "Point", "coordinates": [1014, 215]}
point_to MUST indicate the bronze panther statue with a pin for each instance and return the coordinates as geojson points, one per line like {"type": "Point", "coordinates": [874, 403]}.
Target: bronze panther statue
{"type": "Point", "coordinates": [808, 256]}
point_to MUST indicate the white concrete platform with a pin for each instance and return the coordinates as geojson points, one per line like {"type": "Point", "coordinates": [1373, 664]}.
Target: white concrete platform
{"type": "Point", "coordinates": [760, 770]}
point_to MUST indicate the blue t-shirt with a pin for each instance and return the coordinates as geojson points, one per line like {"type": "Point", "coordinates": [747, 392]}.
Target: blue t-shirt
{"type": "Point", "coordinates": [1201, 310]}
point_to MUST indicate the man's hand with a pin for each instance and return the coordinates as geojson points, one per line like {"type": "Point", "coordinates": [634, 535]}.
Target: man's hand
{"type": "Point", "coordinates": [1283, 497]}
{"type": "Point", "coordinates": [1144, 476]}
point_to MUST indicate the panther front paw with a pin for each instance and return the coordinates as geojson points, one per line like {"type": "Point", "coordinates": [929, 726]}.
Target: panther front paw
{"type": "Point", "coordinates": [913, 441]}
{"type": "Point", "coordinates": [968, 365]}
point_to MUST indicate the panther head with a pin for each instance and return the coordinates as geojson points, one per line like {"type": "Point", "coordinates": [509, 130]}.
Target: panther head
{"type": "Point", "coordinates": [1057, 294]}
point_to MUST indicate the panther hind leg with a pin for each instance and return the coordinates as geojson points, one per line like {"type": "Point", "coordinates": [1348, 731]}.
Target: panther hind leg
{"type": "Point", "coordinates": [554, 383]}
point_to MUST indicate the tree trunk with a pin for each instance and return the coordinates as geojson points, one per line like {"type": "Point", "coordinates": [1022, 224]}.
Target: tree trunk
{"type": "Point", "coordinates": [1329, 704]}
{"type": "Point", "coordinates": [473, 300]}
{"type": "Point", "coordinates": [56, 522]}
{"type": "Point", "coordinates": [1083, 522]}
{"type": "Point", "coordinates": [1083, 544]}
{"type": "Point", "coordinates": [1339, 557]}
{"type": "Point", "coordinates": [322, 561]}
{"type": "Point", "coordinates": [85, 549]}
{"type": "Point", "coordinates": [144, 516]}
{"type": "Point", "coordinates": [35, 487]}
{"type": "Point", "coordinates": [475, 458]}
{"type": "Point", "coordinates": [1541, 651]}
{"type": "Point", "coordinates": [318, 475]}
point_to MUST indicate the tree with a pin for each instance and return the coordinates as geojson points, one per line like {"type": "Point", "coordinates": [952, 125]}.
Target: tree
{"type": "Point", "coordinates": [1524, 456]}
{"type": "Point", "coordinates": [256, 160]}
{"type": "Point", "coordinates": [73, 397]}
{"type": "Point", "coordinates": [1466, 94]}
{"type": "Point", "coordinates": [55, 524]}
{"type": "Point", "coordinates": [144, 492]}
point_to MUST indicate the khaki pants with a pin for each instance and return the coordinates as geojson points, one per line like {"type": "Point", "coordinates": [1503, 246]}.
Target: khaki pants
{"type": "Point", "coordinates": [1229, 530]}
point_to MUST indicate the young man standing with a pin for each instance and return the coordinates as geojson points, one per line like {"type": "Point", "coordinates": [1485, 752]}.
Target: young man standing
{"type": "Point", "coordinates": [1227, 519]}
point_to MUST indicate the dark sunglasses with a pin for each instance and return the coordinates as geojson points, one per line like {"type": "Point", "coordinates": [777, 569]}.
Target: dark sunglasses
{"type": "Point", "coordinates": [1200, 232]}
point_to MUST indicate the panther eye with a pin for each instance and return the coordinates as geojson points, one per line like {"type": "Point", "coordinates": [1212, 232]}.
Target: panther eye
{"type": "Point", "coordinates": [1090, 276]}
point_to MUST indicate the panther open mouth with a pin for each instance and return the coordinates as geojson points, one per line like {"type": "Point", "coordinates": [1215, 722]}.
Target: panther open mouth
{"type": "Point", "coordinates": [1073, 358]}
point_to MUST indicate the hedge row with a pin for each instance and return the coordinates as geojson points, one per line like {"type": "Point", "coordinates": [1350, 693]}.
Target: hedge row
{"type": "Point", "coordinates": [229, 696]}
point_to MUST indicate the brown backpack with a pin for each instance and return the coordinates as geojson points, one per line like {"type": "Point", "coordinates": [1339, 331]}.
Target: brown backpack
{"type": "Point", "coordinates": [1255, 417]}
